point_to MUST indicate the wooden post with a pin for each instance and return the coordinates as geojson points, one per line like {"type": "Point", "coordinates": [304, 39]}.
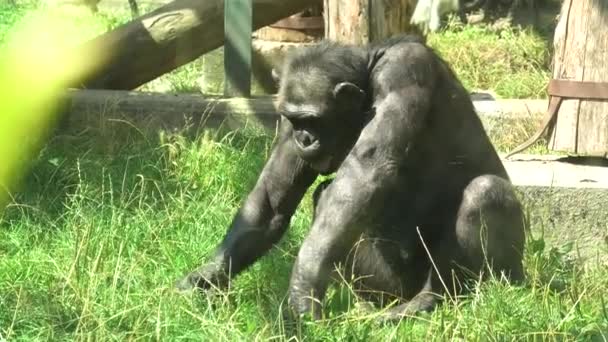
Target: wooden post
{"type": "Point", "coordinates": [237, 48]}
{"type": "Point", "coordinates": [580, 42]}
{"type": "Point", "coordinates": [364, 21]}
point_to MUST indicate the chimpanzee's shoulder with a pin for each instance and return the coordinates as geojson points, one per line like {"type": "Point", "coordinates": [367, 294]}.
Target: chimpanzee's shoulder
{"type": "Point", "coordinates": [405, 43]}
{"type": "Point", "coordinates": [411, 48]}
{"type": "Point", "coordinates": [407, 39]}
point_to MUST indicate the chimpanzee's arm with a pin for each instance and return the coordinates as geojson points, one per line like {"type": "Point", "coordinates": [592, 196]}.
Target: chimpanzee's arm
{"type": "Point", "coordinates": [263, 217]}
{"type": "Point", "coordinates": [404, 82]}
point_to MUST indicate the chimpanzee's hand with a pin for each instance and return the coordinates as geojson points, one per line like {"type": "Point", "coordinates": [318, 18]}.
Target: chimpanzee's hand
{"type": "Point", "coordinates": [208, 276]}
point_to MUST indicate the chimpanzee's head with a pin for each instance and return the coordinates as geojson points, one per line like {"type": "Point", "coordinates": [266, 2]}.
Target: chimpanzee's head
{"type": "Point", "coordinates": [322, 95]}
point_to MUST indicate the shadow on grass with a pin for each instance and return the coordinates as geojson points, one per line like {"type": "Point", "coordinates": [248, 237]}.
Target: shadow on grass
{"type": "Point", "coordinates": [116, 157]}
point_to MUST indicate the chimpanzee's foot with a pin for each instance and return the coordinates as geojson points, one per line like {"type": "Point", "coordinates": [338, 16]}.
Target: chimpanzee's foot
{"type": "Point", "coordinates": [423, 302]}
{"type": "Point", "coordinates": [303, 302]}
{"type": "Point", "coordinates": [365, 308]}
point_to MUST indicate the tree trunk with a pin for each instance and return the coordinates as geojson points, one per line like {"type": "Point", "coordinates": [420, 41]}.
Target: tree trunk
{"type": "Point", "coordinates": [171, 36]}
{"type": "Point", "coordinates": [580, 42]}
{"type": "Point", "coordinates": [364, 21]}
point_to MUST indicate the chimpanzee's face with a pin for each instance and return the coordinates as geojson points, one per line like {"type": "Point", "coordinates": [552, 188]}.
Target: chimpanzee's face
{"type": "Point", "coordinates": [323, 116]}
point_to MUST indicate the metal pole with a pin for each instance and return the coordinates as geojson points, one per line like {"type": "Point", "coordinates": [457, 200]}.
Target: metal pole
{"type": "Point", "coordinates": [237, 47]}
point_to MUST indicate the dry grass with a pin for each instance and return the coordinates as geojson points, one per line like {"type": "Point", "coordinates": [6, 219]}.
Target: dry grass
{"type": "Point", "coordinates": [513, 63]}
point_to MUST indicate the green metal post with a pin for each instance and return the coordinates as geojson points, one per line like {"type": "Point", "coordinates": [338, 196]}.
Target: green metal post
{"type": "Point", "coordinates": [237, 47]}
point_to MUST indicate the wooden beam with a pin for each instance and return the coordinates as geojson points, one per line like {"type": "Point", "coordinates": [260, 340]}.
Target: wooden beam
{"type": "Point", "coordinates": [169, 37]}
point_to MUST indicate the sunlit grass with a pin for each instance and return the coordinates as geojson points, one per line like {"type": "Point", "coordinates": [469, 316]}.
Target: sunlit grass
{"type": "Point", "coordinates": [92, 247]}
{"type": "Point", "coordinates": [514, 63]}
{"type": "Point", "coordinates": [507, 132]}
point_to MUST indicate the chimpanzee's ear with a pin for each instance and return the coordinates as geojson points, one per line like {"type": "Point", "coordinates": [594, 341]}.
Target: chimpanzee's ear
{"type": "Point", "coordinates": [276, 75]}
{"type": "Point", "coordinates": [349, 92]}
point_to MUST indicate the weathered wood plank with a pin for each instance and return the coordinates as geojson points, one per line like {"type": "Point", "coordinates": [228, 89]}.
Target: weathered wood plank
{"type": "Point", "coordinates": [347, 21]}
{"type": "Point", "coordinates": [169, 111]}
{"type": "Point", "coordinates": [568, 65]}
{"type": "Point", "coordinates": [364, 21]}
{"type": "Point", "coordinates": [304, 27]}
{"type": "Point", "coordinates": [580, 44]}
{"type": "Point", "coordinates": [173, 111]}
{"type": "Point", "coordinates": [389, 17]}
{"type": "Point", "coordinates": [593, 119]}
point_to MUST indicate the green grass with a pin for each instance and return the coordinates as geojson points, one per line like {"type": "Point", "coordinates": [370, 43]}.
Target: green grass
{"type": "Point", "coordinates": [101, 230]}
{"type": "Point", "coordinates": [514, 63]}
{"type": "Point", "coordinates": [81, 25]}
{"type": "Point", "coordinates": [506, 133]}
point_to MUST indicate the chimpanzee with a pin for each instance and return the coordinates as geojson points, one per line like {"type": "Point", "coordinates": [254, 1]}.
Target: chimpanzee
{"type": "Point", "coordinates": [420, 201]}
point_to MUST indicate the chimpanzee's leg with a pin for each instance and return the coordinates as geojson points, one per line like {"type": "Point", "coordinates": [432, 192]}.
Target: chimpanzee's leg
{"type": "Point", "coordinates": [380, 266]}
{"type": "Point", "coordinates": [374, 167]}
{"type": "Point", "coordinates": [488, 235]}
{"type": "Point", "coordinates": [316, 195]}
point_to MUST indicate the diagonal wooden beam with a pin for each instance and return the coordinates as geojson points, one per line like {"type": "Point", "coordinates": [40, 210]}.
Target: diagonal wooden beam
{"type": "Point", "coordinates": [169, 37]}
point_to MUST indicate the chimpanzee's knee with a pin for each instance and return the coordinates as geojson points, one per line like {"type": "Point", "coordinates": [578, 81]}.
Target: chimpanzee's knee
{"type": "Point", "coordinates": [490, 192]}
{"type": "Point", "coordinates": [490, 225]}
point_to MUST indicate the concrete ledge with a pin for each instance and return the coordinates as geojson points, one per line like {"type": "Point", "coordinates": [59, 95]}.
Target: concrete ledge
{"type": "Point", "coordinates": [557, 171]}
{"type": "Point", "coordinates": [566, 200]}
{"type": "Point", "coordinates": [576, 216]}
{"type": "Point", "coordinates": [171, 110]}
{"type": "Point", "coordinates": [510, 107]}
